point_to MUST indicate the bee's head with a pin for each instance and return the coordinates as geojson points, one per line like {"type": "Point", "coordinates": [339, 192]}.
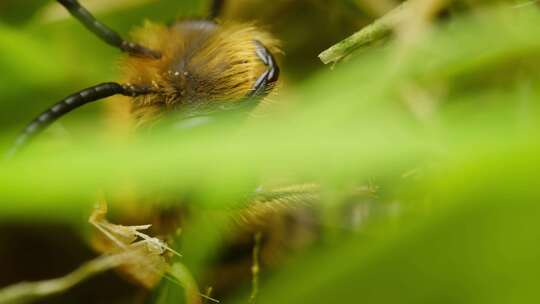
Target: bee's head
{"type": "Point", "coordinates": [195, 66]}
{"type": "Point", "coordinates": [203, 66]}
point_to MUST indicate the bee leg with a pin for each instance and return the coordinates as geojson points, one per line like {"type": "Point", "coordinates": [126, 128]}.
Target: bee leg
{"type": "Point", "coordinates": [216, 9]}
{"type": "Point", "coordinates": [269, 77]}
{"type": "Point", "coordinates": [105, 33]}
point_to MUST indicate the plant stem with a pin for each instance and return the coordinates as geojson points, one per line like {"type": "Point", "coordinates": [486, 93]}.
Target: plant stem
{"type": "Point", "coordinates": [379, 29]}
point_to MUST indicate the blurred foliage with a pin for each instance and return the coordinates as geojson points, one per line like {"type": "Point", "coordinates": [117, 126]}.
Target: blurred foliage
{"type": "Point", "coordinates": [19, 12]}
{"type": "Point", "coordinates": [445, 127]}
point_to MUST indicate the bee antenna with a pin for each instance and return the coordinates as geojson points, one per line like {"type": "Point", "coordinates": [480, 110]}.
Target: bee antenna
{"type": "Point", "coordinates": [70, 103]}
{"type": "Point", "coordinates": [104, 32]}
{"type": "Point", "coordinates": [216, 8]}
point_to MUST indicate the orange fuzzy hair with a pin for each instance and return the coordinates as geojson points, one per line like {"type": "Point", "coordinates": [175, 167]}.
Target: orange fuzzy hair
{"type": "Point", "coordinates": [202, 65]}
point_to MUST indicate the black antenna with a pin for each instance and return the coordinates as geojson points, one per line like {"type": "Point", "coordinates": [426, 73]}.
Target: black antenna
{"type": "Point", "coordinates": [216, 8]}
{"type": "Point", "coordinates": [70, 103]}
{"type": "Point", "coordinates": [105, 33]}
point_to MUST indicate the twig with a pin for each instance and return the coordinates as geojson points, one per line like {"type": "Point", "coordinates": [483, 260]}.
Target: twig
{"type": "Point", "coordinates": [379, 29]}
{"type": "Point", "coordinates": [255, 268]}
{"type": "Point", "coordinates": [27, 292]}
{"type": "Point", "coordinates": [184, 278]}
{"type": "Point", "coordinates": [207, 296]}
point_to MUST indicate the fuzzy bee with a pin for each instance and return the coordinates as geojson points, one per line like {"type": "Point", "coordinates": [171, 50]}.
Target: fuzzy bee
{"type": "Point", "coordinates": [195, 66]}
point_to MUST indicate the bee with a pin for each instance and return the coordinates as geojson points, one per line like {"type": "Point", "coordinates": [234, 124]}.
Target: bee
{"type": "Point", "coordinates": [198, 66]}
